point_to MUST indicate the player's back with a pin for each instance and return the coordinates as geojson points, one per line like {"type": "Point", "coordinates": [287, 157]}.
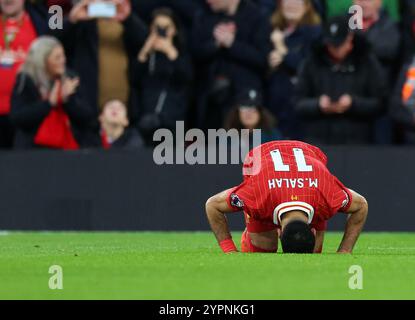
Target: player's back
{"type": "Point", "coordinates": [284, 156]}
{"type": "Point", "coordinates": [290, 173]}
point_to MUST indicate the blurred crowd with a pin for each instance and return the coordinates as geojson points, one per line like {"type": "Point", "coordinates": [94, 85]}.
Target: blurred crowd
{"type": "Point", "coordinates": [292, 68]}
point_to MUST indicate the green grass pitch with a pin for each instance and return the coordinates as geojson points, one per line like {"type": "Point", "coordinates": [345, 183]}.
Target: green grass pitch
{"type": "Point", "coordinates": [156, 265]}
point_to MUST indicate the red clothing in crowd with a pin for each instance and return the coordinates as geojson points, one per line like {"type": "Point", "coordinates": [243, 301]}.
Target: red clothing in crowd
{"type": "Point", "coordinates": [56, 130]}
{"type": "Point", "coordinates": [15, 40]}
{"type": "Point", "coordinates": [105, 142]}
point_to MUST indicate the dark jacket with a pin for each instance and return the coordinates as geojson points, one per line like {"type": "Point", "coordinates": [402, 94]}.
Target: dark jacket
{"type": "Point", "coordinates": [28, 110]}
{"type": "Point", "coordinates": [407, 28]}
{"type": "Point", "coordinates": [360, 76]}
{"type": "Point", "coordinates": [385, 38]}
{"type": "Point", "coordinates": [163, 82]}
{"type": "Point", "coordinates": [280, 87]}
{"type": "Point", "coordinates": [81, 45]}
{"type": "Point", "coordinates": [130, 139]}
{"type": "Point", "coordinates": [244, 63]}
{"type": "Point", "coordinates": [39, 16]}
{"type": "Point", "coordinates": [404, 116]}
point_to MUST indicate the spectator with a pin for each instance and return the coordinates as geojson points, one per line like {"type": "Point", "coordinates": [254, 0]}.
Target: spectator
{"type": "Point", "coordinates": [340, 88]}
{"type": "Point", "coordinates": [46, 106]}
{"type": "Point", "coordinates": [407, 10]}
{"type": "Point", "coordinates": [381, 32]}
{"type": "Point", "coordinates": [249, 113]}
{"type": "Point", "coordinates": [230, 45]}
{"type": "Point", "coordinates": [103, 51]}
{"type": "Point", "coordinates": [383, 35]}
{"type": "Point", "coordinates": [114, 127]}
{"type": "Point", "coordinates": [270, 6]}
{"type": "Point", "coordinates": [164, 74]}
{"type": "Point", "coordinates": [19, 27]}
{"type": "Point", "coordinates": [403, 103]}
{"type": "Point", "coordinates": [184, 9]}
{"type": "Point", "coordinates": [295, 26]}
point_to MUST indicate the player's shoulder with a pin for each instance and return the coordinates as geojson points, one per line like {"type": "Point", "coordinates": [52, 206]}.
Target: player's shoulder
{"type": "Point", "coordinates": [283, 143]}
{"type": "Point", "coordinates": [286, 144]}
{"type": "Point", "coordinates": [258, 157]}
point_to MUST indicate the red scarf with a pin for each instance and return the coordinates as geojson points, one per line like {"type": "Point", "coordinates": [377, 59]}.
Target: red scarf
{"type": "Point", "coordinates": [55, 130]}
{"type": "Point", "coordinates": [25, 33]}
{"type": "Point", "coordinates": [104, 140]}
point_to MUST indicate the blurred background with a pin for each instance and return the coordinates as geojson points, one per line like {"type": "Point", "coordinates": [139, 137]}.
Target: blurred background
{"type": "Point", "coordinates": [119, 70]}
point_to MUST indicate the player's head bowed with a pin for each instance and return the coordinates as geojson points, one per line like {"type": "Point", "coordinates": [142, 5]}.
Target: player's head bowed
{"type": "Point", "coordinates": [297, 237]}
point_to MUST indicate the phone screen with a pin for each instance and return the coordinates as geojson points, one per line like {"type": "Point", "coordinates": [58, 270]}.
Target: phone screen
{"type": "Point", "coordinates": [102, 10]}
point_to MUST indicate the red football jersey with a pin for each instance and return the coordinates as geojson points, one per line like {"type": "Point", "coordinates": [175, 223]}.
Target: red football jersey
{"type": "Point", "coordinates": [24, 34]}
{"type": "Point", "coordinates": [282, 176]}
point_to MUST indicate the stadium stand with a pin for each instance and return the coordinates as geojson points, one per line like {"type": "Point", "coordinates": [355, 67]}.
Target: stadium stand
{"type": "Point", "coordinates": [224, 51]}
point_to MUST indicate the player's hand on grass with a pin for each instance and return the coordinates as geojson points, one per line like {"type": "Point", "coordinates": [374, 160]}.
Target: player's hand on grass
{"type": "Point", "coordinates": [344, 252]}
{"type": "Point", "coordinates": [228, 246]}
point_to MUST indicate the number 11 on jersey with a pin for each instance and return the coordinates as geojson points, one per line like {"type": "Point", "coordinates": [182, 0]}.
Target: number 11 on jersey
{"type": "Point", "coordinates": [279, 165]}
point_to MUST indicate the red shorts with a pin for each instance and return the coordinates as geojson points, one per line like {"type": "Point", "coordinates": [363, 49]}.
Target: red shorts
{"type": "Point", "coordinates": [248, 247]}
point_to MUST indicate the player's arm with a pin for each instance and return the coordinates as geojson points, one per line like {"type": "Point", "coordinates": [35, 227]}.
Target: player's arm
{"type": "Point", "coordinates": [318, 247]}
{"type": "Point", "coordinates": [216, 208]}
{"type": "Point", "coordinates": [357, 211]}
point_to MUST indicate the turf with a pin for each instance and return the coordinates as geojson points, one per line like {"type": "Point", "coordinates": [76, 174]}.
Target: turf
{"type": "Point", "coordinates": [190, 266]}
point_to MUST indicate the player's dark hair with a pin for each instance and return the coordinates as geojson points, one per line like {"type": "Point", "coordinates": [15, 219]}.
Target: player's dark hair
{"type": "Point", "coordinates": [297, 237]}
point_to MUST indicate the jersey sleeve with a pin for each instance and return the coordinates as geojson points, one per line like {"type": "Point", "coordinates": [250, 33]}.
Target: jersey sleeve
{"type": "Point", "coordinates": [339, 198]}
{"type": "Point", "coordinates": [242, 198]}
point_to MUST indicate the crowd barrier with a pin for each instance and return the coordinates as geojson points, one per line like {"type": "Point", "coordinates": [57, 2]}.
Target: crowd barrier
{"type": "Point", "coordinates": [126, 190]}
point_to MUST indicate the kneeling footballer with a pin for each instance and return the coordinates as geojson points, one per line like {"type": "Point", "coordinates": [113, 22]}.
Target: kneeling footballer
{"type": "Point", "coordinates": [287, 193]}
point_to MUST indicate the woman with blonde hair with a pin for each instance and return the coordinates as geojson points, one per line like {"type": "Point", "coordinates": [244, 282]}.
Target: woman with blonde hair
{"type": "Point", "coordinates": [295, 26]}
{"type": "Point", "coordinates": [46, 107]}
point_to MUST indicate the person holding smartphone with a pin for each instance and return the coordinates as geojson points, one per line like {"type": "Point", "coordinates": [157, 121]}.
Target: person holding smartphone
{"type": "Point", "coordinates": [340, 88]}
{"type": "Point", "coordinates": [102, 39]}
{"type": "Point", "coordinates": [163, 75]}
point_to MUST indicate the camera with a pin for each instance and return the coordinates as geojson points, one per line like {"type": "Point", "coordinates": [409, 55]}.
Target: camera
{"type": "Point", "coordinates": [161, 31]}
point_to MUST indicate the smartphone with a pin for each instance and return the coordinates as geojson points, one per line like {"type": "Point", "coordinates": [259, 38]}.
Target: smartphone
{"type": "Point", "coordinates": [102, 9]}
{"type": "Point", "coordinates": [162, 32]}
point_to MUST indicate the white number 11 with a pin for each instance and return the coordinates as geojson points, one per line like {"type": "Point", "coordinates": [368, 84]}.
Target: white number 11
{"type": "Point", "coordinates": [279, 165]}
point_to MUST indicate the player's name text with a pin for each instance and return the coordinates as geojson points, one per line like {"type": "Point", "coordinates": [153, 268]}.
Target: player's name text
{"type": "Point", "coordinates": [293, 183]}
